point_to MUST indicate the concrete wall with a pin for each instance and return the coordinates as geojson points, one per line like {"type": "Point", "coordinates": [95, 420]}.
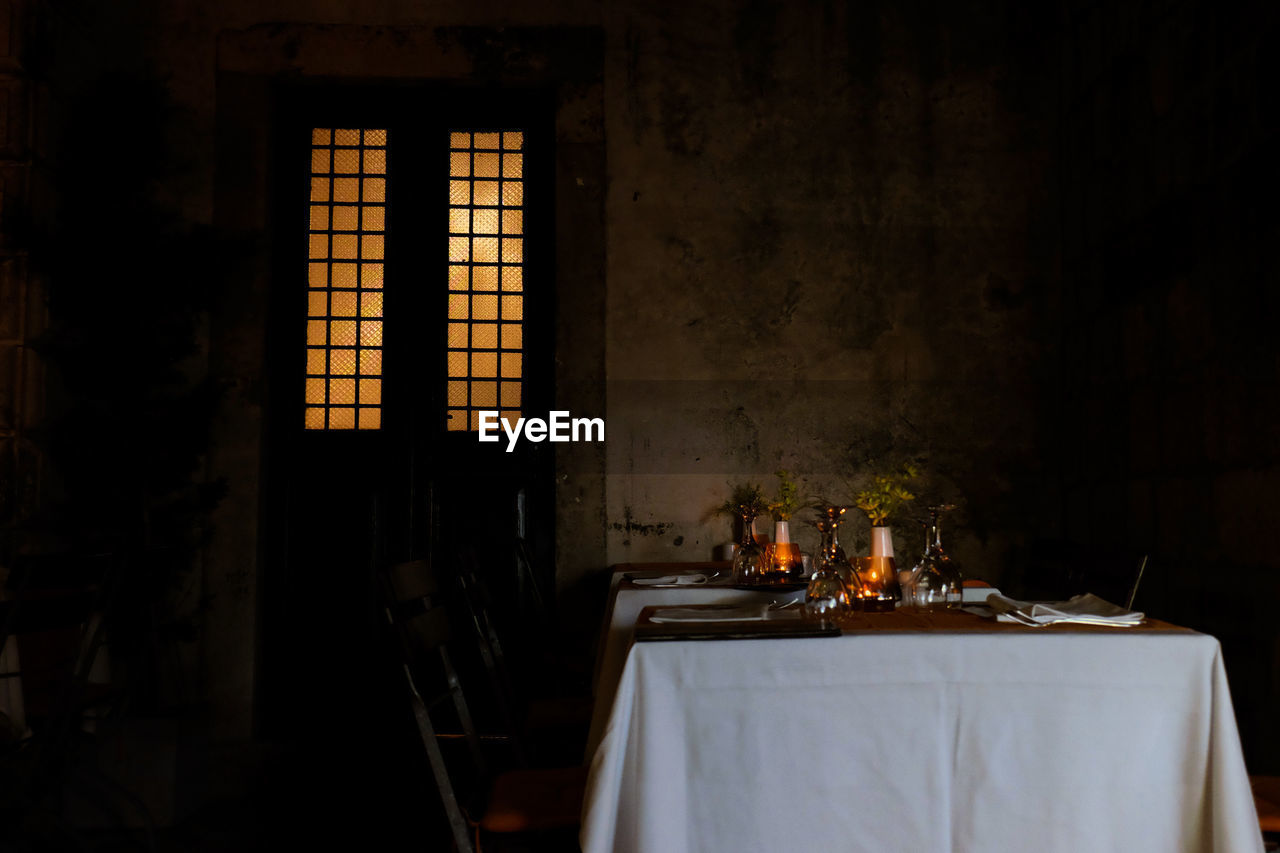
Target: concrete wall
{"type": "Point", "coordinates": [830, 229]}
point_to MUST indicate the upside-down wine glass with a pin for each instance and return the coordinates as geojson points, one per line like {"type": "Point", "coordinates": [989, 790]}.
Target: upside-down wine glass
{"type": "Point", "coordinates": [828, 594]}
{"type": "Point", "coordinates": [832, 515]}
{"type": "Point", "coordinates": [750, 565]}
{"type": "Point", "coordinates": [936, 581]}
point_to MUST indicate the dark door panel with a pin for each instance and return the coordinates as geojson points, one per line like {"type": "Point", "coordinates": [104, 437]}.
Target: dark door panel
{"type": "Point", "coordinates": [338, 503]}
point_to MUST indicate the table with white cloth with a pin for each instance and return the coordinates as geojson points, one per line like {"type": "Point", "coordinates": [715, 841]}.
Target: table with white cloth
{"type": "Point", "coordinates": [913, 732]}
{"type": "Point", "coordinates": [627, 597]}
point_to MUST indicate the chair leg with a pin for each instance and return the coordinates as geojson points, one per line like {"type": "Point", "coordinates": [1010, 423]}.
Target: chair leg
{"type": "Point", "coordinates": [457, 821]}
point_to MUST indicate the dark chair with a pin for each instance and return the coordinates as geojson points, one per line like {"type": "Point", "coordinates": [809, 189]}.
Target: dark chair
{"type": "Point", "coordinates": [553, 722]}
{"type": "Point", "coordinates": [515, 802]}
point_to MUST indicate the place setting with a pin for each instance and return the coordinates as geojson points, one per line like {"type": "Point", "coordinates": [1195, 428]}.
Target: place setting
{"type": "Point", "coordinates": [832, 591]}
{"type": "Point", "coordinates": [671, 580]}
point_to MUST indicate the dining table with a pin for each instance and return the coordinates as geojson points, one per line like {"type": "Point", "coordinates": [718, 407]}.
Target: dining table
{"type": "Point", "coordinates": [910, 730]}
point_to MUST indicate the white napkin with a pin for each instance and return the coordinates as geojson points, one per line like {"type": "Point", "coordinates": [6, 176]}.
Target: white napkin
{"type": "Point", "coordinates": [671, 580]}
{"type": "Point", "coordinates": [1085, 609]}
{"type": "Point", "coordinates": [728, 613]}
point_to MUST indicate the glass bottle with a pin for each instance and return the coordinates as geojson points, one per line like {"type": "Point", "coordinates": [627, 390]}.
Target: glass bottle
{"type": "Point", "coordinates": [937, 582]}
{"type": "Point", "coordinates": [828, 594]}
{"type": "Point", "coordinates": [750, 565]}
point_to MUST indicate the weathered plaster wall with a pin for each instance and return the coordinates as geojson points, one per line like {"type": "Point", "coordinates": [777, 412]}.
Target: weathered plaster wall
{"type": "Point", "coordinates": [831, 246]}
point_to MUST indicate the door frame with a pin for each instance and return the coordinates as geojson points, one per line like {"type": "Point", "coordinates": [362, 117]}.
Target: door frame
{"type": "Point", "coordinates": [417, 459]}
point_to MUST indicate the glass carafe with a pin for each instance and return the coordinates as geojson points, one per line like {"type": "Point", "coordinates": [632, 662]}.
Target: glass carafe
{"type": "Point", "coordinates": [750, 565]}
{"type": "Point", "coordinates": [828, 594]}
{"type": "Point", "coordinates": [936, 581]}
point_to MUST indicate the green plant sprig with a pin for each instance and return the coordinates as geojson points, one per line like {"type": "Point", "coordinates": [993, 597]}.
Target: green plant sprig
{"type": "Point", "coordinates": [787, 501]}
{"type": "Point", "coordinates": [747, 498]}
{"type": "Point", "coordinates": [887, 493]}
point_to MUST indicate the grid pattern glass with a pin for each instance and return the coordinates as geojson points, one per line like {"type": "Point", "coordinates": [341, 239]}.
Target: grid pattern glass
{"type": "Point", "coordinates": [485, 309]}
{"type": "Point", "coordinates": [344, 278]}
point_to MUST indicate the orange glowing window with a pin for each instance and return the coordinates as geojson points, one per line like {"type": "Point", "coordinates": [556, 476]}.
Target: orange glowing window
{"type": "Point", "coordinates": [485, 300]}
{"type": "Point", "coordinates": [344, 279]}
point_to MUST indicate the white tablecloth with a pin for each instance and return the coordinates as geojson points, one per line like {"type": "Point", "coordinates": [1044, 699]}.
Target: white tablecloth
{"type": "Point", "coordinates": [625, 605]}
{"type": "Point", "coordinates": [1068, 742]}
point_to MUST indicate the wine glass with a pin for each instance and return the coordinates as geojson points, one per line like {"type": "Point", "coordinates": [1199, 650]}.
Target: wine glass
{"type": "Point", "coordinates": [827, 593]}
{"type": "Point", "coordinates": [750, 564]}
{"type": "Point", "coordinates": [828, 524]}
{"type": "Point", "coordinates": [826, 596]}
{"type": "Point", "coordinates": [936, 581]}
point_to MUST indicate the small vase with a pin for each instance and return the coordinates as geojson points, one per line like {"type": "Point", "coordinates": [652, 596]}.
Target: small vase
{"type": "Point", "coordinates": [784, 555]}
{"type": "Point", "coordinates": [881, 542]}
{"type": "Point", "coordinates": [881, 591]}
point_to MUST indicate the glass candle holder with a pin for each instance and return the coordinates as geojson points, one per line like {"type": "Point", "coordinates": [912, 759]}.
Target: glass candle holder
{"type": "Point", "coordinates": [881, 591]}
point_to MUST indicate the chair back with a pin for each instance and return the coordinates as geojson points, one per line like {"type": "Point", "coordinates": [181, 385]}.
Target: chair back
{"type": "Point", "coordinates": [478, 604]}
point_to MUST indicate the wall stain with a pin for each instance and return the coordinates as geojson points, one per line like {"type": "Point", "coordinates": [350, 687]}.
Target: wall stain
{"type": "Point", "coordinates": [742, 436]}
{"type": "Point", "coordinates": [630, 526]}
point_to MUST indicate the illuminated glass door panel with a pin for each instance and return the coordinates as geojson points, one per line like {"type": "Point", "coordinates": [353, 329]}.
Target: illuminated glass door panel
{"type": "Point", "coordinates": [346, 253]}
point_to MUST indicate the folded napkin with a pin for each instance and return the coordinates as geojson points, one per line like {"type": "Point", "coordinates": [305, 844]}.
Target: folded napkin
{"type": "Point", "coordinates": [727, 613]}
{"type": "Point", "coordinates": [671, 580]}
{"type": "Point", "coordinates": [1085, 609]}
